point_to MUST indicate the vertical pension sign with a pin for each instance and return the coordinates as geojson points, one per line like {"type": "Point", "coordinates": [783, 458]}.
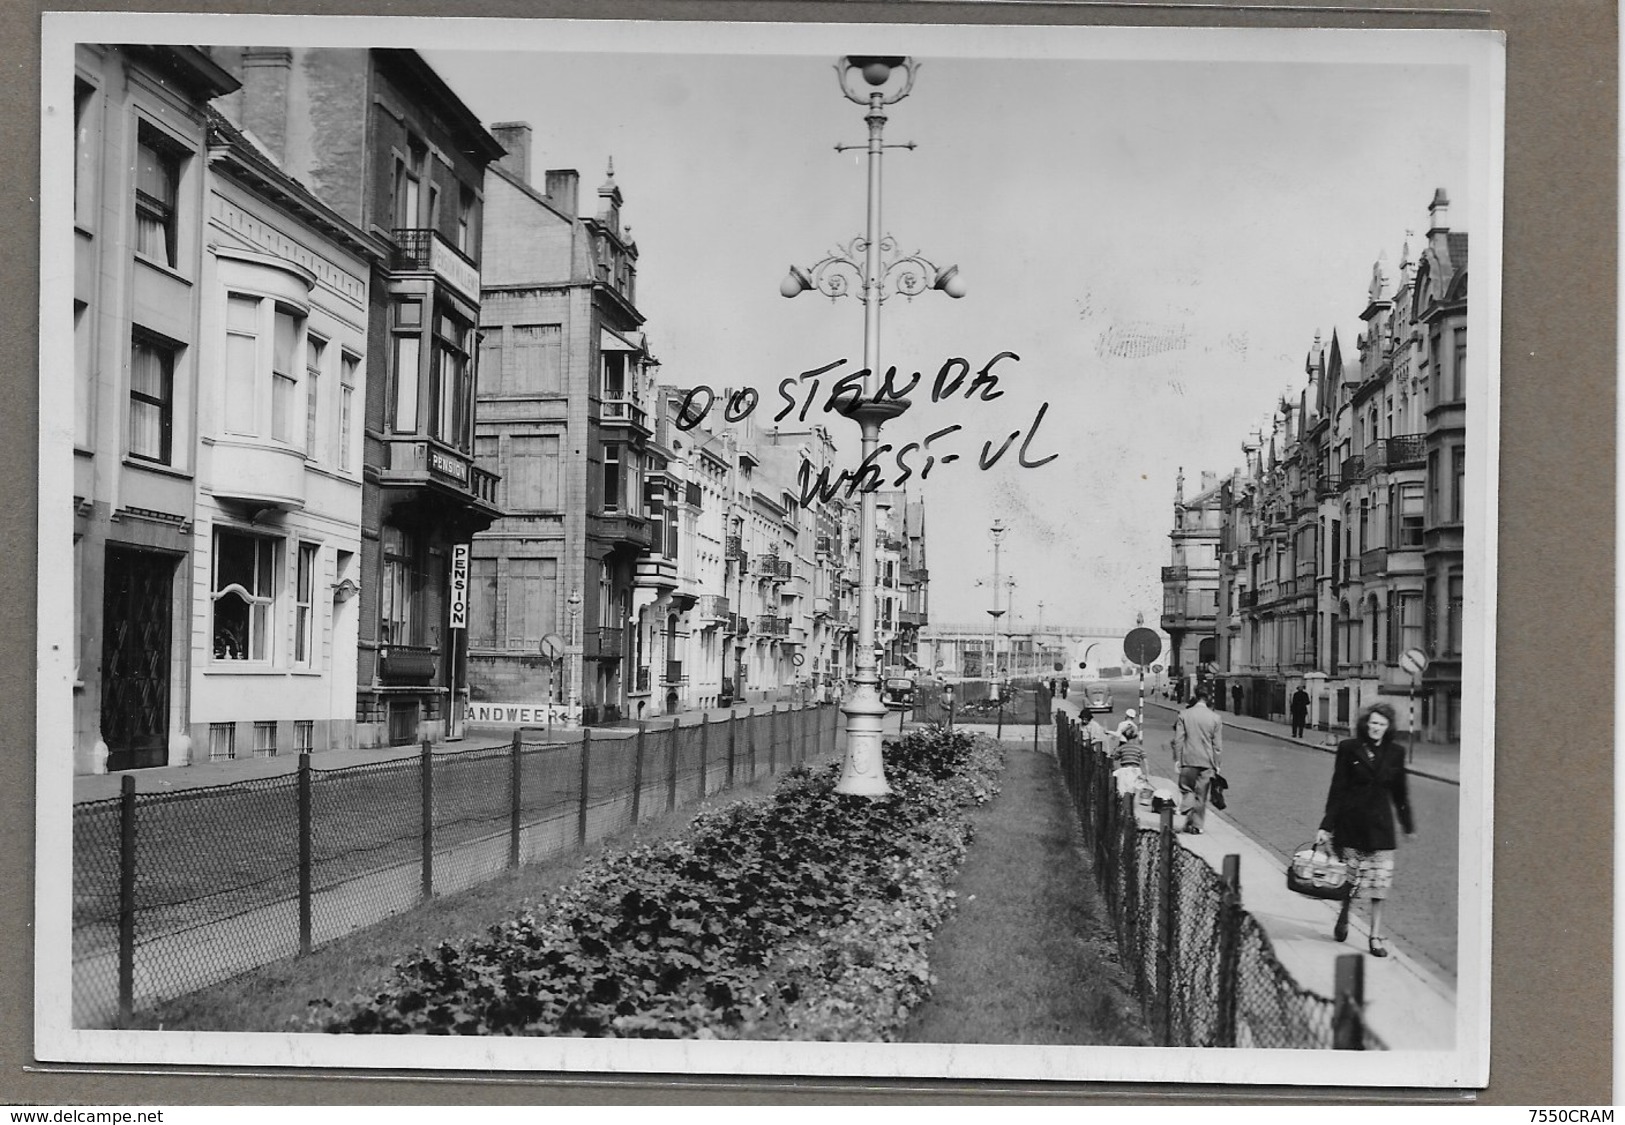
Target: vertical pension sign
{"type": "Point", "coordinates": [459, 586]}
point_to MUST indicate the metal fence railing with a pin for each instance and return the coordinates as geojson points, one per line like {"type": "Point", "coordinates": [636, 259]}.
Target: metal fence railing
{"type": "Point", "coordinates": [1203, 968]}
{"type": "Point", "coordinates": [176, 891]}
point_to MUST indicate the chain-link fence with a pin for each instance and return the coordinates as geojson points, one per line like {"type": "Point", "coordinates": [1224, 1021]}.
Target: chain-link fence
{"type": "Point", "coordinates": [177, 891]}
{"type": "Point", "coordinates": [1203, 968]}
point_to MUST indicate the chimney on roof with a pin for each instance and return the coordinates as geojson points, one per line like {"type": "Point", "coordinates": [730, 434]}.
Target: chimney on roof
{"type": "Point", "coordinates": [515, 137]}
{"type": "Point", "coordinates": [562, 187]}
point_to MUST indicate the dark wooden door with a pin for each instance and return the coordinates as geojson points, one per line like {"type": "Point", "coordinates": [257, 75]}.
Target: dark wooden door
{"type": "Point", "coordinates": [136, 612]}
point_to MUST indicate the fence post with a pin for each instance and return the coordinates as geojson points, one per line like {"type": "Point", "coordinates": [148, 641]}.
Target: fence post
{"type": "Point", "coordinates": [515, 799]}
{"type": "Point", "coordinates": [426, 787]}
{"type": "Point", "coordinates": [586, 781]}
{"type": "Point", "coordinates": [637, 773]}
{"type": "Point", "coordinates": [1129, 842]}
{"type": "Point", "coordinates": [1165, 923]}
{"type": "Point", "coordinates": [671, 766]}
{"type": "Point", "coordinates": [126, 901]}
{"type": "Point", "coordinates": [750, 741]}
{"type": "Point", "coordinates": [705, 748]}
{"type": "Point", "coordinates": [304, 854]}
{"type": "Point", "coordinates": [1348, 1013]}
{"type": "Point", "coordinates": [1229, 950]}
{"type": "Point", "coordinates": [733, 744]}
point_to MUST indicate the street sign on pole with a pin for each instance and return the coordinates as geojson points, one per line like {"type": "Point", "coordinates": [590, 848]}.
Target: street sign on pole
{"type": "Point", "coordinates": [1142, 646]}
{"type": "Point", "coordinates": [1414, 661]}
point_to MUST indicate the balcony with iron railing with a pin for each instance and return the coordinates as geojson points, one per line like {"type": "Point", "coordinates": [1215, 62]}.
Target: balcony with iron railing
{"type": "Point", "coordinates": [784, 569]}
{"type": "Point", "coordinates": [713, 607]}
{"type": "Point", "coordinates": [1353, 468]}
{"type": "Point", "coordinates": [620, 409]}
{"type": "Point", "coordinates": [1247, 599]}
{"type": "Point", "coordinates": [733, 547]}
{"type": "Point", "coordinates": [739, 625]}
{"type": "Point", "coordinates": [422, 250]}
{"type": "Point", "coordinates": [418, 461]}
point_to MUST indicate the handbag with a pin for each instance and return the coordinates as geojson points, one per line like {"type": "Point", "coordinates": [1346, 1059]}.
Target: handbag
{"type": "Point", "coordinates": [1318, 872]}
{"type": "Point", "coordinates": [1215, 790]}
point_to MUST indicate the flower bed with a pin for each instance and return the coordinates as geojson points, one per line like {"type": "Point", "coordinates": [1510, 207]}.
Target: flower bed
{"type": "Point", "coordinates": [804, 915]}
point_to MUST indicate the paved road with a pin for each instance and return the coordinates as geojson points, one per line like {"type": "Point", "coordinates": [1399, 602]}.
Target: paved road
{"type": "Point", "coordinates": [1277, 795]}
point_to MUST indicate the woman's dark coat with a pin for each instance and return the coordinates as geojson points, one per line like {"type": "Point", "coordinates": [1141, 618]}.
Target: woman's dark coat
{"type": "Point", "coordinates": [1368, 788]}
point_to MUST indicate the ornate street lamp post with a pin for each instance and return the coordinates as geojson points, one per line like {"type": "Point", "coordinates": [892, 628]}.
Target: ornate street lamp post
{"type": "Point", "coordinates": [873, 263]}
{"type": "Point", "coordinates": [573, 667]}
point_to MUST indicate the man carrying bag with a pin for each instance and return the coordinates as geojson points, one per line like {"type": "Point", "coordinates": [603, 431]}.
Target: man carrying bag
{"type": "Point", "coordinates": [1198, 744]}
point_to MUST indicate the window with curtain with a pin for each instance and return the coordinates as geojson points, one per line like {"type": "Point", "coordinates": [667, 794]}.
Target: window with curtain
{"type": "Point", "coordinates": [244, 595]}
{"type": "Point", "coordinates": [399, 619]}
{"type": "Point", "coordinates": [453, 377]}
{"type": "Point", "coordinates": [304, 602]}
{"type": "Point", "coordinates": [157, 190]}
{"type": "Point", "coordinates": [242, 364]}
{"type": "Point", "coordinates": [284, 374]}
{"type": "Point", "coordinates": [315, 346]}
{"type": "Point", "coordinates": [152, 401]}
{"type": "Point", "coordinates": [347, 375]}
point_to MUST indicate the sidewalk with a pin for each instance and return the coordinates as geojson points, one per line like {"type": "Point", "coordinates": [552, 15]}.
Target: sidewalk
{"type": "Point", "coordinates": [203, 774]}
{"type": "Point", "coordinates": [1407, 1006]}
{"type": "Point", "coordinates": [1440, 761]}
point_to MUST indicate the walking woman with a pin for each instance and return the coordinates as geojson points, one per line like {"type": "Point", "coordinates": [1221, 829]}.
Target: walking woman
{"type": "Point", "coordinates": [1368, 788]}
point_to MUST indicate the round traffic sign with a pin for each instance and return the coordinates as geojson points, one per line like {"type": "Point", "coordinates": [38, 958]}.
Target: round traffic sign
{"type": "Point", "coordinates": [1414, 661]}
{"type": "Point", "coordinates": [1142, 646]}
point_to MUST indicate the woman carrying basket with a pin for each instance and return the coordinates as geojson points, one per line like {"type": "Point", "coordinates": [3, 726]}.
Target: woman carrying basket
{"type": "Point", "coordinates": [1368, 788]}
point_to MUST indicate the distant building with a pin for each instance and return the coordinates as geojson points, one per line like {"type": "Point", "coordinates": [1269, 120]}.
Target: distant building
{"type": "Point", "coordinates": [565, 397]}
{"type": "Point", "coordinates": [1190, 583]}
{"type": "Point", "coordinates": [1341, 544]}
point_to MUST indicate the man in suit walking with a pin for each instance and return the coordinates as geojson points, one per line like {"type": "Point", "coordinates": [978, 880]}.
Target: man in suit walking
{"type": "Point", "coordinates": [1198, 744]}
{"type": "Point", "coordinates": [1300, 712]}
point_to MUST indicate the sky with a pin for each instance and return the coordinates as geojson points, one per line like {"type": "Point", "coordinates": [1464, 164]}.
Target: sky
{"type": "Point", "coordinates": [1155, 228]}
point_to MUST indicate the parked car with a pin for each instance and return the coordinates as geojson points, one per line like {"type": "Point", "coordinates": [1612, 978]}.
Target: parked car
{"type": "Point", "coordinates": [897, 693]}
{"type": "Point", "coordinates": [1098, 697]}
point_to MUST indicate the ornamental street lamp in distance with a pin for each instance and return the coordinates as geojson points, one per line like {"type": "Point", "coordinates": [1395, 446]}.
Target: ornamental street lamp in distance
{"type": "Point", "coordinates": [873, 264]}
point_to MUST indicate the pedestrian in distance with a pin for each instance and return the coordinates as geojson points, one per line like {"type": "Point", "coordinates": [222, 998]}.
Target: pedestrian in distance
{"type": "Point", "coordinates": [1235, 698]}
{"type": "Point", "coordinates": [1300, 711]}
{"type": "Point", "coordinates": [1198, 745]}
{"type": "Point", "coordinates": [1368, 789]}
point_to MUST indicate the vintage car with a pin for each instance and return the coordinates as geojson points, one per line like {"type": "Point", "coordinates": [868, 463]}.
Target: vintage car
{"type": "Point", "coordinates": [1098, 697]}
{"type": "Point", "coordinates": [897, 693]}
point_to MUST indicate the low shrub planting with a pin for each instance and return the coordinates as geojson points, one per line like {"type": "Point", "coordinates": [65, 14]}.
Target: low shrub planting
{"type": "Point", "coordinates": [803, 915]}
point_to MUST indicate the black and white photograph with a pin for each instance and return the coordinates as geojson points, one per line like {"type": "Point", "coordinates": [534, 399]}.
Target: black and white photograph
{"type": "Point", "coordinates": [800, 549]}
